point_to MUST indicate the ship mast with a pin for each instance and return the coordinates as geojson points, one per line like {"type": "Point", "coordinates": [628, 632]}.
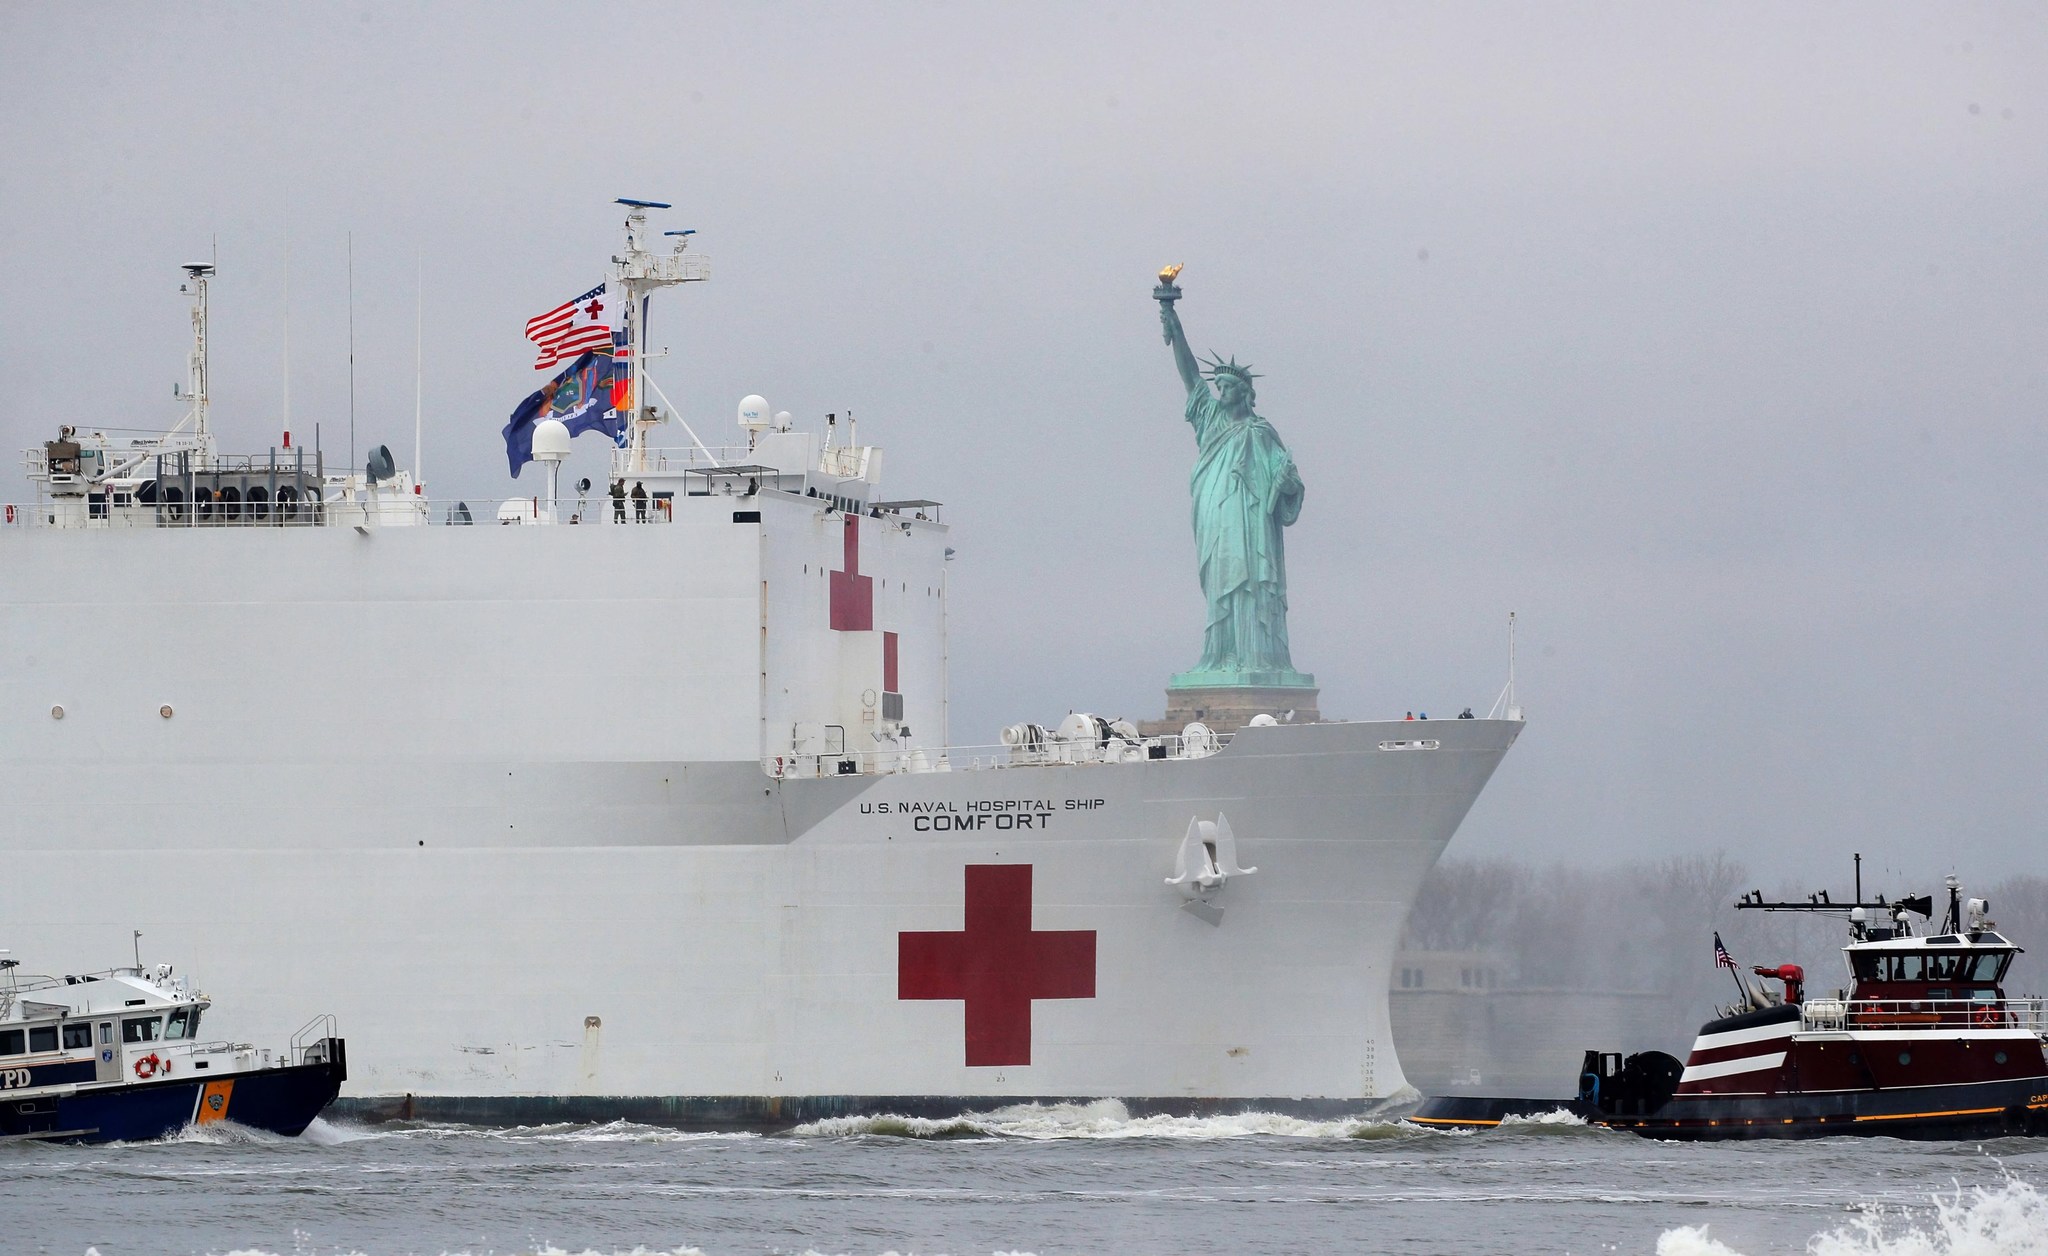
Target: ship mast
{"type": "Point", "coordinates": [197, 389]}
{"type": "Point", "coordinates": [635, 276]}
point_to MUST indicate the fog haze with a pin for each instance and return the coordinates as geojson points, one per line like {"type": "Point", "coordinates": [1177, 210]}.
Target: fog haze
{"type": "Point", "coordinates": [1707, 339]}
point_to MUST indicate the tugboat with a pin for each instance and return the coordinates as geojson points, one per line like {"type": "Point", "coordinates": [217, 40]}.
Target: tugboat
{"type": "Point", "coordinates": [116, 1056]}
{"type": "Point", "coordinates": [1923, 1044]}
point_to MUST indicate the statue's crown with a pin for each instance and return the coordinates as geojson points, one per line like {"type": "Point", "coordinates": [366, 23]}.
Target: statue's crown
{"type": "Point", "coordinates": [1217, 366]}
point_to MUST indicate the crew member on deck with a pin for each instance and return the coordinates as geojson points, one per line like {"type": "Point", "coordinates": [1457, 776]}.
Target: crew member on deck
{"type": "Point", "coordinates": [639, 502]}
{"type": "Point", "coordinates": [618, 501]}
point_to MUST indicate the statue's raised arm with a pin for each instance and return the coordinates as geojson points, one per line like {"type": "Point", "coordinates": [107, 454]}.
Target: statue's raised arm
{"type": "Point", "coordinates": [1183, 357]}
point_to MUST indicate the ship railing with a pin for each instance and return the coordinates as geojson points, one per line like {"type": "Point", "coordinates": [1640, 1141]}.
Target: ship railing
{"type": "Point", "coordinates": [100, 510]}
{"type": "Point", "coordinates": [890, 761]}
{"type": "Point", "coordinates": [1826, 1014]}
{"type": "Point", "coordinates": [309, 1045]}
{"type": "Point", "coordinates": [660, 458]}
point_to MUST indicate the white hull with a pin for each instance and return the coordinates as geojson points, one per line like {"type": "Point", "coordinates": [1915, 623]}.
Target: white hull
{"type": "Point", "coordinates": [772, 970]}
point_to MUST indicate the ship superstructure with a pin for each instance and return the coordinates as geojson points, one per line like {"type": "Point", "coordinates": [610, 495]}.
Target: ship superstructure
{"type": "Point", "coordinates": [647, 803]}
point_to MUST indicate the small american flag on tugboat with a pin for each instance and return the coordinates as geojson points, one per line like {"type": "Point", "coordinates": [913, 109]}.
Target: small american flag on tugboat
{"type": "Point", "coordinates": [1721, 955]}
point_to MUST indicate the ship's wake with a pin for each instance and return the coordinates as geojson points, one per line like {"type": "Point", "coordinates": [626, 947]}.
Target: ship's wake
{"type": "Point", "coordinates": [1101, 1119]}
{"type": "Point", "coordinates": [2010, 1219]}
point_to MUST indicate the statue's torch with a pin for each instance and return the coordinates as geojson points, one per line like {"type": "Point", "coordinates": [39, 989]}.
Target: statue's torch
{"type": "Point", "coordinates": [1167, 293]}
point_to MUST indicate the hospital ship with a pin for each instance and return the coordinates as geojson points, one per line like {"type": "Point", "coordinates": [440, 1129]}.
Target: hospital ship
{"type": "Point", "coordinates": [653, 810]}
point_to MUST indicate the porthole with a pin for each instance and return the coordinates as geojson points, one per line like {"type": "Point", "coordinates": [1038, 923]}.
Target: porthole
{"type": "Point", "coordinates": [164, 710]}
{"type": "Point", "coordinates": [1999, 1058]}
{"type": "Point", "coordinates": [1905, 1057]}
{"type": "Point", "coordinates": [1855, 1058]}
{"type": "Point", "coordinates": [56, 712]}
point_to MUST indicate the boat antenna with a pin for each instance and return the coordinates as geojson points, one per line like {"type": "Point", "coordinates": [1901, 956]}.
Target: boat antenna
{"type": "Point", "coordinates": [419, 361]}
{"type": "Point", "coordinates": [287, 322]}
{"type": "Point", "coordinates": [351, 349]}
{"type": "Point", "coordinates": [1859, 876]}
{"type": "Point", "coordinates": [137, 939]}
{"type": "Point", "coordinates": [1513, 706]}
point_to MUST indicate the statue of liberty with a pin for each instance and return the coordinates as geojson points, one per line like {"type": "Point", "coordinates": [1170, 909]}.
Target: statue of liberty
{"type": "Point", "coordinates": [1245, 490]}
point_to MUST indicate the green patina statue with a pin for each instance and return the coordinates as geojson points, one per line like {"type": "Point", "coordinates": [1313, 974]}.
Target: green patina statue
{"type": "Point", "coordinates": [1245, 491]}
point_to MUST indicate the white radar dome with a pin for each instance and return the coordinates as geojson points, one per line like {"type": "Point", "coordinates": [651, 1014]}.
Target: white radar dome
{"type": "Point", "coordinates": [754, 413]}
{"type": "Point", "coordinates": [783, 420]}
{"type": "Point", "coordinates": [550, 440]}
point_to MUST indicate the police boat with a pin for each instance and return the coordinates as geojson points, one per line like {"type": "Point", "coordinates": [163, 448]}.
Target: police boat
{"type": "Point", "coordinates": [117, 1056]}
{"type": "Point", "coordinates": [1924, 1043]}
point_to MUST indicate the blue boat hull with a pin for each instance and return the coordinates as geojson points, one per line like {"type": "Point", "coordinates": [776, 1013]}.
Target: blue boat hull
{"type": "Point", "coordinates": [279, 1100]}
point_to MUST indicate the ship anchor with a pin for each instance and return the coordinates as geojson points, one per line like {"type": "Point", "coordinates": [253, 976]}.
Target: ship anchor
{"type": "Point", "coordinates": [1204, 865]}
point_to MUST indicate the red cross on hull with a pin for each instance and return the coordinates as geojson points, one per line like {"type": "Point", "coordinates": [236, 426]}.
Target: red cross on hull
{"type": "Point", "coordinates": [997, 964]}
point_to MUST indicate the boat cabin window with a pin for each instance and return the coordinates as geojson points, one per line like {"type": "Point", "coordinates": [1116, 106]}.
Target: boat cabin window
{"type": "Point", "coordinates": [141, 1028]}
{"type": "Point", "coordinates": [13, 1042]}
{"type": "Point", "coordinates": [77, 1034]}
{"type": "Point", "coordinates": [42, 1038]}
{"type": "Point", "coordinates": [106, 1033]}
{"type": "Point", "coordinates": [1964, 966]}
{"type": "Point", "coordinates": [176, 1026]}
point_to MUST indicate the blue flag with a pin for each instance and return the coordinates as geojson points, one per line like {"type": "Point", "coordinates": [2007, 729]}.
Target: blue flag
{"type": "Point", "coordinates": [581, 397]}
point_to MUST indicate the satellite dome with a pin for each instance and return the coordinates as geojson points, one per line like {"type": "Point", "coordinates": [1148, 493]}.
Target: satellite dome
{"type": "Point", "coordinates": [551, 440]}
{"type": "Point", "coordinates": [754, 413]}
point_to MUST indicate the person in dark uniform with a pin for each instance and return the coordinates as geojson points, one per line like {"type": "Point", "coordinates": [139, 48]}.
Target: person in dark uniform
{"type": "Point", "coordinates": [618, 493]}
{"type": "Point", "coordinates": [639, 502]}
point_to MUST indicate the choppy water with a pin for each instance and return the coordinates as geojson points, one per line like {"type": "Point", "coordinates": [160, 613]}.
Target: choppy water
{"type": "Point", "coordinates": [1059, 1180]}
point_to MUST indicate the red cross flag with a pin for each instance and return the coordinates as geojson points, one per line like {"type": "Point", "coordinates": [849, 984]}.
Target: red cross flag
{"type": "Point", "coordinates": [572, 328]}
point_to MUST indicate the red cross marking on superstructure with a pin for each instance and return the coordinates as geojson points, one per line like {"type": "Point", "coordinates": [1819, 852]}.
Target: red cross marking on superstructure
{"type": "Point", "coordinates": [594, 309]}
{"type": "Point", "coordinates": [853, 595]}
{"type": "Point", "coordinates": [998, 964]}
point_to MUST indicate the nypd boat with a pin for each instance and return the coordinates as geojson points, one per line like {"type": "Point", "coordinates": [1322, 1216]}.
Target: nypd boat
{"type": "Point", "coordinates": [117, 1056]}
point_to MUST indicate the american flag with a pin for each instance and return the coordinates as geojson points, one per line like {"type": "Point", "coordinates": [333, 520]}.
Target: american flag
{"type": "Point", "coordinates": [1721, 955]}
{"type": "Point", "coordinates": [571, 328]}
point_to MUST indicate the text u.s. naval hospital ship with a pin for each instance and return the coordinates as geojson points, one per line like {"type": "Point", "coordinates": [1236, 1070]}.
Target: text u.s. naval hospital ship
{"type": "Point", "coordinates": [656, 816]}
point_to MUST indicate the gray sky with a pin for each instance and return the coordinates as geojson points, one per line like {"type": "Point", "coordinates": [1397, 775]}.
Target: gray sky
{"type": "Point", "coordinates": [1708, 339]}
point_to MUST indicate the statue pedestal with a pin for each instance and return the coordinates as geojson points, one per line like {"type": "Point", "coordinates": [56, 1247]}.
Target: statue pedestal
{"type": "Point", "coordinates": [1227, 706]}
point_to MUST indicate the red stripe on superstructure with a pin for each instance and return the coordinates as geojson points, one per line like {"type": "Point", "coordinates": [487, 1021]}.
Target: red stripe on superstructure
{"type": "Point", "coordinates": [889, 662]}
{"type": "Point", "coordinates": [852, 594]}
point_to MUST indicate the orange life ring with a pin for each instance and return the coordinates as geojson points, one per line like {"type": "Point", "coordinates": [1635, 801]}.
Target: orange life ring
{"type": "Point", "coordinates": [1988, 1016]}
{"type": "Point", "coordinates": [10, 514]}
{"type": "Point", "coordinates": [147, 1066]}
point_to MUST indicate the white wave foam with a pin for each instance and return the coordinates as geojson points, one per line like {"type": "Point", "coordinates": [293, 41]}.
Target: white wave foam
{"type": "Point", "coordinates": [2005, 1220]}
{"type": "Point", "coordinates": [538, 1251]}
{"type": "Point", "coordinates": [563, 1132]}
{"type": "Point", "coordinates": [224, 1134]}
{"type": "Point", "coordinates": [1556, 1116]}
{"type": "Point", "coordinates": [1692, 1240]}
{"type": "Point", "coordinates": [1102, 1119]}
{"type": "Point", "coordinates": [325, 1133]}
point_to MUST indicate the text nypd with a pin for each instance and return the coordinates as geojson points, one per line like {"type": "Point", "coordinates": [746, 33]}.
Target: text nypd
{"type": "Point", "coordinates": [947, 816]}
